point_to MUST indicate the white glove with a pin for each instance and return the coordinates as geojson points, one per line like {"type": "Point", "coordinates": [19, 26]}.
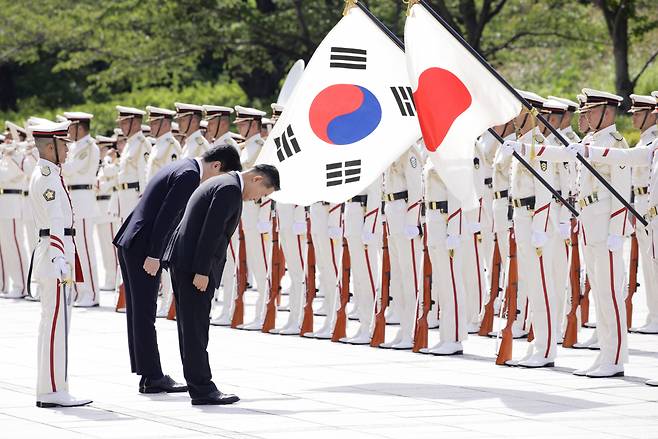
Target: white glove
{"type": "Point", "coordinates": [565, 230]}
{"type": "Point", "coordinates": [508, 148]}
{"type": "Point", "coordinates": [298, 228]}
{"type": "Point", "coordinates": [474, 228]}
{"type": "Point", "coordinates": [335, 232]}
{"type": "Point", "coordinates": [615, 243]}
{"type": "Point", "coordinates": [576, 148]}
{"type": "Point", "coordinates": [264, 227]}
{"type": "Point", "coordinates": [62, 267]}
{"type": "Point", "coordinates": [452, 242]}
{"type": "Point", "coordinates": [539, 239]}
{"type": "Point", "coordinates": [411, 231]}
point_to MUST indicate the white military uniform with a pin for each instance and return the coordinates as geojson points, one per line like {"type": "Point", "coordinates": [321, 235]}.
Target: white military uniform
{"type": "Point", "coordinates": [444, 227]}
{"type": "Point", "coordinates": [79, 173]}
{"type": "Point", "coordinates": [131, 175]}
{"type": "Point", "coordinates": [195, 145]}
{"type": "Point", "coordinates": [166, 150]}
{"type": "Point", "coordinates": [30, 234]}
{"type": "Point", "coordinates": [106, 225]}
{"type": "Point", "coordinates": [403, 196]}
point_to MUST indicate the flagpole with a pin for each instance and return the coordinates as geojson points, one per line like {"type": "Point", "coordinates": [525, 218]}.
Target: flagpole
{"type": "Point", "coordinates": [527, 104]}
{"type": "Point", "coordinates": [400, 44]}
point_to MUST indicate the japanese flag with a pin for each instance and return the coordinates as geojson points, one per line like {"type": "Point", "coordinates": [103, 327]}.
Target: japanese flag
{"type": "Point", "coordinates": [349, 117]}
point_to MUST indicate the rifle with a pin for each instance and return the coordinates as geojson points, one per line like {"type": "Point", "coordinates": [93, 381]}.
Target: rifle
{"type": "Point", "coordinates": [505, 349]}
{"type": "Point", "coordinates": [238, 311]}
{"type": "Point", "coordinates": [488, 318]}
{"type": "Point", "coordinates": [584, 304]}
{"type": "Point", "coordinates": [425, 300]}
{"type": "Point", "coordinates": [275, 280]}
{"type": "Point", "coordinates": [307, 322]}
{"type": "Point", "coordinates": [340, 327]}
{"type": "Point", "coordinates": [379, 332]}
{"type": "Point", "coordinates": [632, 279]}
{"type": "Point", "coordinates": [571, 332]}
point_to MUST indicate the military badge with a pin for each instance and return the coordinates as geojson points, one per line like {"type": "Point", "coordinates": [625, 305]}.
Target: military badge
{"type": "Point", "coordinates": [45, 171]}
{"type": "Point", "coordinates": [49, 195]}
{"type": "Point", "coordinates": [146, 156]}
{"type": "Point", "coordinates": [174, 156]}
{"type": "Point", "coordinates": [82, 155]}
{"type": "Point", "coordinates": [543, 165]}
{"type": "Point", "coordinates": [538, 139]}
{"type": "Point", "coordinates": [617, 136]}
{"type": "Point", "coordinates": [413, 161]}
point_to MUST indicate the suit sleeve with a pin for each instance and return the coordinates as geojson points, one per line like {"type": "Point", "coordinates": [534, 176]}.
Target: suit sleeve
{"type": "Point", "coordinates": [173, 204]}
{"type": "Point", "coordinates": [225, 203]}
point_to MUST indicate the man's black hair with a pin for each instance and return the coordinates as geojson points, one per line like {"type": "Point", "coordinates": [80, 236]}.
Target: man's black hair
{"type": "Point", "coordinates": [226, 154]}
{"type": "Point", "coordinates": [271, 175]}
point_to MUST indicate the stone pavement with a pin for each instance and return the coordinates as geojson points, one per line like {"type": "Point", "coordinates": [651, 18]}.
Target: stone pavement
{"type": "Point", "coordinates": [302, 388]}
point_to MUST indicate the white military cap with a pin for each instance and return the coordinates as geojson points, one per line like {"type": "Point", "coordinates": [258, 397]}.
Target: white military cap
{"type": "Point", "coordinates": [105, 139]}
{"type": "Point", "coordinates": [554, 106]}
{"type": "Point", "coordinates": [277, 109]}
{"type": "Point", "coordinates": [130, 111]}
{"type": "Point", "coordinates": [60, 118]}
{"type": "Point", "coordinates": [174, 127]}
{"type": "Point", "coordinates": [236, 136]}
{"type": "Point", "coordinates": [15, 130]}
{"type": "Point", "coordinates": [598, 97]}
{"type": "Point", "coordinates": [246, 113]}
{"type": "Point", "coordinates": [78, 115]}
{"type": "Point", "coordinates": [185, 109]}
{"type": "Point", "coordinates": [267, 121]}
{"type": "Point", "coordinates": [145, 129]}
{"type": "Point", "coordinates": [118, 132]}
{"type": "Point", "coordinates": [533, 98]}
{"type": "Point", "coordinates": [216, 111]}
{"type": "Point", "coordinates": [571, 105]}
{"type": "Point", "coordinates": [642, 102]}
{"type": "Point", "coordinates": [159, 113]}
{"type": "Point", "coordinates": [203, 124]}
{"type": "Point", "coordinates": [33, 120]}
{"type": "Point", "coordinates": [51, 130]}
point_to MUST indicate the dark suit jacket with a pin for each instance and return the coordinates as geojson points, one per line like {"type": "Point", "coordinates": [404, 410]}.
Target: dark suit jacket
{"type": "Point", "coordinates": [199, 243]}
{"type": "Point", "coordinates": [150, 224]}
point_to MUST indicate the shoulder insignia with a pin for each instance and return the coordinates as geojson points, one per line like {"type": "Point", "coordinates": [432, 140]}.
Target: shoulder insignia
{"type": "Point", "coordinates": [199, 140]}
{"type": "Point", "coordinates": [476, 162]}
{"type": "Point", "coordinates": [146, 156]}
{"type": "Point", "coordinates": [617, 136]}
{"type": "Point", "coordinates": [45, 171]}
{"type": "Point", "coordinates": [413, 161]}
{"type": "Point", "coordinates": [174, 157]}
{"type": "Point", "coordinates": [543, 165]}
{"type": "Point", "coordinates": [49, 195]}
{"type": "Point", "coordinates": [260, 142]}
{"type": "Point", "coordinates": [571, 136]}
{"type": "Point", "coordinates": [83, 155]}
{"type": "Point", "coordinates": [622, 167]}
{"type": "Point", "coordinates": [566, 165]}
{"type": "Point", "coordinates": [171, 141]}
{"type": "Point", "coordinates": [538, 139]}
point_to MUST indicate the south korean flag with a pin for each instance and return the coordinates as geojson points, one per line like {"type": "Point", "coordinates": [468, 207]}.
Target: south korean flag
{"type": "Point", "coordinates": [350, 116]}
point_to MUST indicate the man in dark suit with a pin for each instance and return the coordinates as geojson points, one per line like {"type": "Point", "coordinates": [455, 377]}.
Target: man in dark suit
{"type": "Point", "coordinates": [141, 242]}
{"type": "Point", "coordinates": [196, 255]}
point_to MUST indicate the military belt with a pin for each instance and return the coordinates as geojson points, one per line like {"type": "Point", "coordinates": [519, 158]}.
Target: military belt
{"type": "Point", "coordinates": [527, 202]}
{"type": "Point", "coordinates": [125, 186]}
{"type": "Point", "coordinates": [26, 193]}
{"type": "Point", "coordinates": [46, 232]}
{"type": "Point", "coordinates": [363, 199]}
{"type": "Point", "coordinates": [501, 194]}
{"type": "Point", "coordinates": [11, 191]}
{"type": "Point", "coordinates": [396, 196]}
{"type": "Point", "coordinates": [590, 199]}
{"type": "Point", "coordinates": [651, 213]}
{"type": "Point", "coordinates": [77, 187]}
{"type": "Point", "coordinates": [642, 190]}
{"type": "Point", "coordinates": [441, 206]}
{"type": "Point", "coordinates": [103, 197]}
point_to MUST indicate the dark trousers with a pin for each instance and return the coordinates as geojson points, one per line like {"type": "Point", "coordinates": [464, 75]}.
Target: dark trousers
{"type": "Point", "coordinates": [141, 305]}
{"type": "Point", "coordinates": [192, 318]}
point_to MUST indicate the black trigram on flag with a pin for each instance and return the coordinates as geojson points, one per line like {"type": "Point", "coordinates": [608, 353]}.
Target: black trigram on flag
{"type": "Point", "coordinates": [346, 58]}
{"type": "Point", "coordinates": [341, 173]}
{"type": "Point", "coordinates": [405, 100]}
{"type": "Point", "coordinates": [286, 144]}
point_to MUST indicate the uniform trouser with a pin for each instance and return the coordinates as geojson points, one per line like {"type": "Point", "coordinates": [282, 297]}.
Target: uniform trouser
{"type": "Point", "coordinates": [257, 246]}
{"type": "Point", "coordinates": [644, 242]}
{"type": "Point", "coordinates": [560, 267]}
{"type": "Point", "coordinates": [192, 307]}
{"type": "Point", "coordinates": [141, 305]}
{"type": "Point", "coordinates": [229, 278]}
{"type": "Point", "coordinates": [473, 276]}
{"type": "Point", "coordinates": [52, 355]}
{"type": "Point", "coordinates": [607, 279]}
{"type": "Point", "coordinates": [405, 255]}
{"type": "Point", "coordinates": [536, 268]}
{"type": "Point", "coordinates": [84, 243]}
{"type": "Point", "coordinates": [13, 257]}
{"type": "Point", "coordinates": [448, 289]}
{"type": "Point", "coordinates": [327, 258]}
{"type": "Point", "coordinates": [294, 252]}
{"type": "Point", "coordinates": [364, 267]}
{"type": "Point", "coordinates": [107, 253]}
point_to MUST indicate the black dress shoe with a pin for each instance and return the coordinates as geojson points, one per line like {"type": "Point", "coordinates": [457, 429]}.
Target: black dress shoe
{"type": "Point", "coordinates": [216, 398]}
{"type": "Point", "coordinates": [162, 385]}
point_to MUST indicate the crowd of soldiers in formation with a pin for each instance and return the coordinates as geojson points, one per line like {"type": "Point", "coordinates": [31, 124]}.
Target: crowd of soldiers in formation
{"type": "Point", "coordinates": [402, 252]}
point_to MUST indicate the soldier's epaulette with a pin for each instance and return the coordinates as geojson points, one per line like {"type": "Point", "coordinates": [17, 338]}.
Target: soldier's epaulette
{"type": "Point", "coordinates": [260, 142]}
{"type": "Point", "coordinates": [45, 170]}
{"type": "Point", "coordinates": [200, 140]}
{"type": "Point", "coordinates": [617, 136]}
{"type": "Point", "coordinates": [538, 139]}
{"type": "Point", "coordinates": [171, 141]}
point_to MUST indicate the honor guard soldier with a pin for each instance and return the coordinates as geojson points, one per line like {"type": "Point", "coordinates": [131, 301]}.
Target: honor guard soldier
{"type": "Point", "coordinates": [189, 118]}
{"type": "Point", "coordinates": [29, 161]}
{"type": "Point", "coordinates": [403, 197]}
{"type": "Point", "coordinates": [11, 199]}
{"type": "Point", "coordinates": [219, 122]}
{"type": "Point", "coordinates": [79, 172]}
{"type": "Point", "coordinates": [106, 224]}
{"type": "Point", "coordinates": [54, 260]}
{"type": "Point", "coordinates": [166, 148]}
{"type": "Point", "coordinates": [534, 225]}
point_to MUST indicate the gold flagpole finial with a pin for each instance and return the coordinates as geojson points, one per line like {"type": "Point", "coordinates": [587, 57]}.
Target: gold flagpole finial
{"type": "Point", "coordinates": [349, 4]}
{"type": "Point", "coordinates": [410, 4]}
